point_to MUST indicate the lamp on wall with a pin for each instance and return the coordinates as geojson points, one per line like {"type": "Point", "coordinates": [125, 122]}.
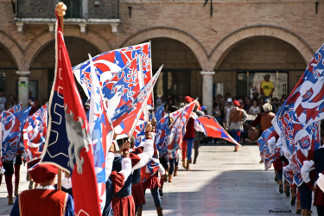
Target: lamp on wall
{"type": "Point", "coordinates": [97, 3]}
{"type": "Point", "coordinates": [316, 7]}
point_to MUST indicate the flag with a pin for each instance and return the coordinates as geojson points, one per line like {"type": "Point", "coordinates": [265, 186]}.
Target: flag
{"type": "Point", "coordinates": [67, 143]}
{"type": "Point", "coordinates": [34, 133]}
{"type": "Point", "coordinates": [304, 106]}
{"type": "Point", "coordinates": [151, 167]}
{"type": "Point", "coordinates": [12, 124]}
{"type": "Point", "coordinates": [122, 89]}
{"type": "Point", "coordinates": [288, 174]}
{"type": "Point", "coordinates": [14, 109]}
{"type": "Point", "coordinates": [178, 127]}
{"type": "Point", "coordinates": [159, 113]}
{"type": "Point", "coordinates": [129, 115]}
{"type": "Point", "coordinates": [101, 133]}
{"type": "Point", "coordinates": [161, 137]}
{"type": "Point", "coordinates": [296, 121]}
{"type": "Point", "coordinates": [267, 147]}
{"type": "Point", "coordinates": [213, 129]}
{"type": "Point", "coordinates": [109, 63]}
{"type": "Point", "coordinates": [304, 150]}
{"type": "Point", "coordinates": [139, 132]}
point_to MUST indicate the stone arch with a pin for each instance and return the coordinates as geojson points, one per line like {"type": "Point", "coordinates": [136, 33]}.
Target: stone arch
{"type": "Point", "coordinates": [41, 41]}
{"type": "Point", "coordinates": [227, 43]}
{"type": "Point", "coordinates": [157, 32]}
{"type": "Point", "coordinates": [13, 49]}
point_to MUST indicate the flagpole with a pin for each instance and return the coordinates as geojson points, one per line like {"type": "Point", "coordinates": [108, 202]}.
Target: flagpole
{"type": "Point", "coordinates": [60, 10]}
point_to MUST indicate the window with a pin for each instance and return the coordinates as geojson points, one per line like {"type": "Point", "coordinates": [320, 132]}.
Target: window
{"type": "Point", "coordinates": [174, 82]}
{"type": "Point", "coordinates": [249, 81]}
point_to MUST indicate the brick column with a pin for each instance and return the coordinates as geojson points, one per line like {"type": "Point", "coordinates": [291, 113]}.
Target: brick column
{"type": "Point", "coordinates": [207, 90]}
{"type": "Point", "coordinates": [23, 87]}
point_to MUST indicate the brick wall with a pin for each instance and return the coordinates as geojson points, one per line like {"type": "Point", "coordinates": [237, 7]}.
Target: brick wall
{"type": "Point", "coordinates": [209, 41]}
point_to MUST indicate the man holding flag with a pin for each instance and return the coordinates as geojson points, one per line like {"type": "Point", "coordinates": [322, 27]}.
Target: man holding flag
{"type": "Point", "coordinates": [67, 144]}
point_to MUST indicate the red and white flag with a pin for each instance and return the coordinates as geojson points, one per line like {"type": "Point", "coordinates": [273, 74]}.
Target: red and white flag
{"type": "Point", "coordinates": [68, 144]}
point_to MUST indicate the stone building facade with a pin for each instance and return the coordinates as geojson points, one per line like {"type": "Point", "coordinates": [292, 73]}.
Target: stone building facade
{"type": "Point", "coordinates": [203, 53]}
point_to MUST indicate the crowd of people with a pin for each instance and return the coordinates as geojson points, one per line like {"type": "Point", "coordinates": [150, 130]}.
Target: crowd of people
{"type": "Point", "coordinates": [126, 184]}
{"type": "Point", "coordinates": [126, 164]}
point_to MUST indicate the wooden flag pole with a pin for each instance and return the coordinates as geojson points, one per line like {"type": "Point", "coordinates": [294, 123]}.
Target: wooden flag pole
{"type": "Point", "coordinates": [60, 10]}
{"type": "Point", "coordinates": [59, 179]}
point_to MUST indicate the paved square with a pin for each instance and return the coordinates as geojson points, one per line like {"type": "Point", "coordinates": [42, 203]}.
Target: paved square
{"type": "Point", "coordinates": [222, 182]}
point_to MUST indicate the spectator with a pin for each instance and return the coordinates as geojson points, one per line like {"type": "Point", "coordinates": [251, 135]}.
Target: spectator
{"type": "Point", "coordinates": [254, 109]}
{"type": "Point", "coordinates": [158, 101]}
{"type": "Point", "coordinates": [227, 95]}
{"type": "Point", "coordinates": [169, 105]}
{"type": "Point", "coordinates": [203, 108]}
{"type": "Point", "coordinates": [267, 86]}
{"type": "Point", "coordinates": [255, 94]}
{"type": "Point", "coordinates": [37, 104]}
{"type": "Point", "coordinates": [11, 101]}
{"type": "Point", "coordinates": [247, 103]}
{"type": "Point", "coordinates": [217, 113]}
{"type": "Point", "coordinates": [229, 106]}
{"type": "Point", "coordinates": [261, 102]}
{"type": "Point", "coordinates": [2, 101]}
{"type": "Point", "coordinates": [275, 104]}
{"type": "Point", "coordinates": [221, 103]}
{"type": "Point", "coordinates": [235, 119]}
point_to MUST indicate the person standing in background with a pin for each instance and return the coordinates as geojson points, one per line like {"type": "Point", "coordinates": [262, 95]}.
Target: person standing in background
{"type": "Point", "coordinates": [3, 101]}
{"type": "Point", "coordinates": [235, 119]}
{"type": "Point", "coordinates": [267, 87]}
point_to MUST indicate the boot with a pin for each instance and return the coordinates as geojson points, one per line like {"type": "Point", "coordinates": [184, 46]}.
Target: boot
{"type": "Point", "coordinates": [306, 212]}
{"type": "Point", "coordinates": [30, 186]}
{"type": "Point", "coordinates": [184, 163]}
{"type": "Point", "coordinates": [10, 200]}
{"type": "Point", "coordinates": [286, 188]}
{"type": "Point", "coordinates": [159, 211]}
{"type": "Point", "coordinates": [1, 178]}
{"type": "Point", "coordinates": [293, 197]}
{"type": "Point", "coordinates": [196, 146]}
{"type": "Point", "coordinates": [188, 167]}
{"type": "Point", "coordinates": [170, 178]}
{"type": "Point", "coordinates": [139, 211]}
{"type": "Point", "coordinates": [175, 171]}
{"type": "Point", "coordinates": [298, 207]}
{"type": "Point", "coordinates": [16, 190]}
{"type": "Point", "coordinates": [161, 191]}
{"type": "Point", "coordinates": [236, 148]}
{"type": "Point", "coordinates": [280, 188]}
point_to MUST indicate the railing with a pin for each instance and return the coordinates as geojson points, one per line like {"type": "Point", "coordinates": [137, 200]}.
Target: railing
{"type": "Point", "coordinates": [85, 9]}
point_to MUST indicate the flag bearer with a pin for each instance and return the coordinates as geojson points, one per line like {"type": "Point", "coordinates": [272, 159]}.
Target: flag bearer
{"type": "Point", "coordinates": [44, 200]}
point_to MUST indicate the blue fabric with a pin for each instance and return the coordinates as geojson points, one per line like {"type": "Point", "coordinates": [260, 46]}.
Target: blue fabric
{"type": "Point", "coordinates": [69, 206]}
{"type": "Point", "coordinates": [236, 134]}
{"type": "Point", "coordinates": [156, 197]}
{"type": "Point", "coordinates": [173, 162]}
{"type": "Point", "coordinates": [136, 176]}
{"type": "Point", "coordinates": [127, 188]}
{"type": "Point", "coordinates": [108, 211]}
{"type": "Point", "coordinates": [15, 209]}
{"type": "Point", "coordinates": [189, 147]}
{"type": "Point", "coordinates": [305, 196]}
{"type": "Point", "coordinates": [279, 175]}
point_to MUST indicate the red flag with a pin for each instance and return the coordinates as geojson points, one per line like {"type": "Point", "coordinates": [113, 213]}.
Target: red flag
{"type": "Point", "coordinates": [213, 129]}
{"type": "Point", "coordinates": [85, 191]}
